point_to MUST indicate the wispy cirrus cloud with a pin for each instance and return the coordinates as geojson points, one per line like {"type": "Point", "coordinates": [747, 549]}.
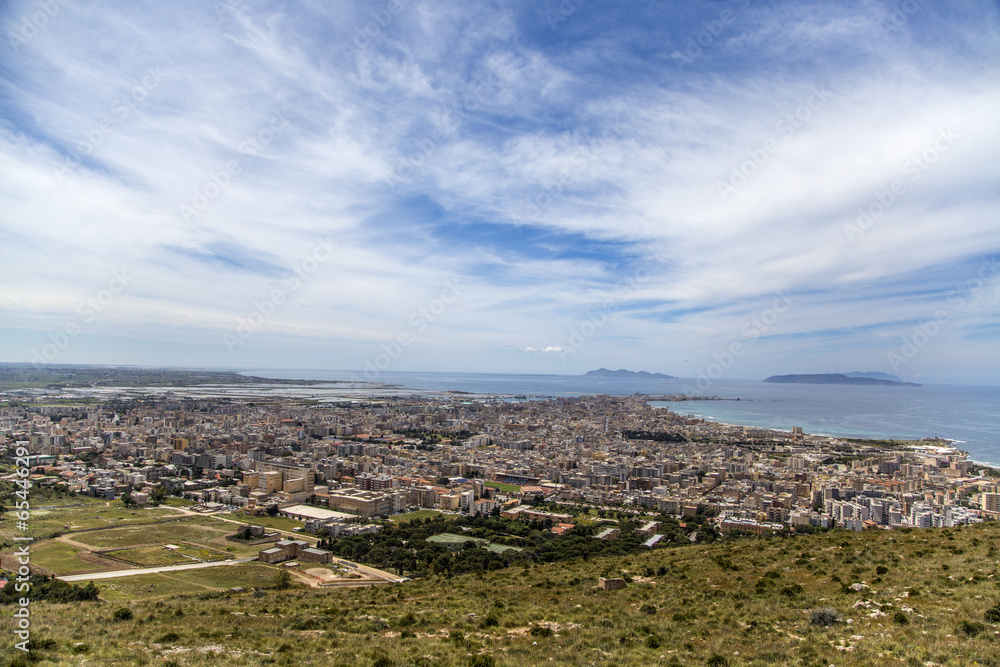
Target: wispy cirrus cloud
{"type": "Point", "coordinates": [539, 165]}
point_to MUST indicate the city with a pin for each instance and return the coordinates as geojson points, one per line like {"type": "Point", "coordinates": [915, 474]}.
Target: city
{"type": "Point", "coordinates": [474, 455]}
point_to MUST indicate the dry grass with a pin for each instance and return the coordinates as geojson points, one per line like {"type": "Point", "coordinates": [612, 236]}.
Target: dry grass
{"type": "Point", "coordinates": [746, 602]}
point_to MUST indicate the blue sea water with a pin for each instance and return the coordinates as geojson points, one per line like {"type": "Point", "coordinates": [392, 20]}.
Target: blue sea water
{"type": "Point", "coordinates": [969, 415]}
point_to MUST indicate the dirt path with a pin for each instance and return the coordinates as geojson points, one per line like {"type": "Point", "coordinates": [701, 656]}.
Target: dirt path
{"type": "Point", "coordinates": [153, 570]}
{"type": "Point", "coordinates": [66, 539]}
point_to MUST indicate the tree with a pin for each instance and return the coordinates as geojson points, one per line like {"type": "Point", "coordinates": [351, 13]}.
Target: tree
{"type": "Point", "coordinates": [282, 579]}
{"type": "Point", "coordinates": [157, 495]}
{"type": "Point", "coordinates": [272, 510]}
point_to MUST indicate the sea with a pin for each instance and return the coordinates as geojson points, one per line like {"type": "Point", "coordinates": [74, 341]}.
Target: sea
{"type": "Point", "coordinates": [968, 415]}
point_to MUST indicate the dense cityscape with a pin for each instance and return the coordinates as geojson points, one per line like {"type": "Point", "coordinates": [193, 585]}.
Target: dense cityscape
{"type": "Point", "coordinates": [472, 455]}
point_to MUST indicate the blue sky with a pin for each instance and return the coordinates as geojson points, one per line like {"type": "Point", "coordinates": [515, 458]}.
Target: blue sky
{"type": "Point", "coordinates": [526, 187]}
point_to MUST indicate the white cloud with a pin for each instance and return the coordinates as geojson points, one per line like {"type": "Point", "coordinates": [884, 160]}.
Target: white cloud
{"type": "Point", "coordinates": [502, 136]}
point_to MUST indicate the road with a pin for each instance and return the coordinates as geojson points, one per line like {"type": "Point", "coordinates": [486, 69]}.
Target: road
{"type": "Point", "coordinates": [152, 570]}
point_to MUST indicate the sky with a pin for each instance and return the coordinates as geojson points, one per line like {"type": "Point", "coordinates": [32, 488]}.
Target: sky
{"type": "Point", "coordinates": [728, 189]}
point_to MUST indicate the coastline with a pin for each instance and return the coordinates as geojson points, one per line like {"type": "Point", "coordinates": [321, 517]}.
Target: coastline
{"type": "Point", "coordinates": [912, 443]}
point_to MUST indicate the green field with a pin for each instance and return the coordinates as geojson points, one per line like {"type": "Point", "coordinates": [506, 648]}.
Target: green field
{"type": "Point", "coordinates": [187, 530]}
{"type": "Point", "coordinates": [68, 514]}
{"type": "Point", "coordinates": [172, 501]}
{"type": "Point", "coordinates": [506, 488]}
{"type": "Point", "coordinates": [159, 555]}
{"type": "Point", "coordinates": [62, 558]}
{"type": "Point", "coordinates": [185, 582]}
{"type": "Point", "coordinates": [209, 533]}
{"type": "Point", "coordinates": [417, 514]}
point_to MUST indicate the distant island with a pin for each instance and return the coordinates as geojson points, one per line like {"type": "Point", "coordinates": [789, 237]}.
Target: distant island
{"type": "Point", "coordinates": [878, 375]}
{"type": "Point", "coordinates": [837, 378]}
{"type": "Point", "coordinates": [622, 373]}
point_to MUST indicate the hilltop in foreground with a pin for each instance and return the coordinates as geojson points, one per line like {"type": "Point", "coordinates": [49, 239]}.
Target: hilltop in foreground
{"type": "Point", "coordinates": [907, 597]}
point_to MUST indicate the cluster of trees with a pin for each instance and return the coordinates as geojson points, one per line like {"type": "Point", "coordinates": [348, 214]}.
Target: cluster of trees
{"type": "Point", "coordinates": [405, 549]}
{"type": "Point", "coordinates": [431, 437]}
{"type": "Point", "coordinates": [48, 588]}
{"type": "Point", "coordinates": [657, 436]}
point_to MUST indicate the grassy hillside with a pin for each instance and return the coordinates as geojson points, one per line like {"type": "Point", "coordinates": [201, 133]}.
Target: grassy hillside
{"type": "Point", "coordinates": [924, 598]}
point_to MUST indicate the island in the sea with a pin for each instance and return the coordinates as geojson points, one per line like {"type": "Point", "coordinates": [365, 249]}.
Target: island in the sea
{"type": "Point", "coordinates": [837, 378]}
{"type": "Point", "coordinates": [622, 373]}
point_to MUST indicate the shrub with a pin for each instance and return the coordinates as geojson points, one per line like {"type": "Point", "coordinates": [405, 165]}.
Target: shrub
{"type": "Point", "coordinates": [482, 661]}
{"type": "Point", "coordinates": [282, 580]}
{"type": "Point", "coordinates": [899, 618]}
{"type": "Point", "coordinates": [541, 631]}
{"type": "Point", "coordinates": [122, 614]}
{"type": "Point", "coordinates": [648, 609]}
{"type": "Point", "coordinates": [969, 629]}
{"type": "Point", "coordinates": [717, 661]}
{"type": "Point", "coordinates": [881, 569]}
{"type": "Point", "coordinates": [824, 617]}
{"type": "Point", "coordinates": [992, 615]}
{"type": "Point", "coordinates": [791, 591]}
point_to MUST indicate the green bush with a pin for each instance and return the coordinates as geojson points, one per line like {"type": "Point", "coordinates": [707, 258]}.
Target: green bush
{"type": "Point", "coordinates": [969, 628]}
{"type": "Point", "coordinates": [792, 591]}
{"type": "Point", "coordinates": [122, 614]}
